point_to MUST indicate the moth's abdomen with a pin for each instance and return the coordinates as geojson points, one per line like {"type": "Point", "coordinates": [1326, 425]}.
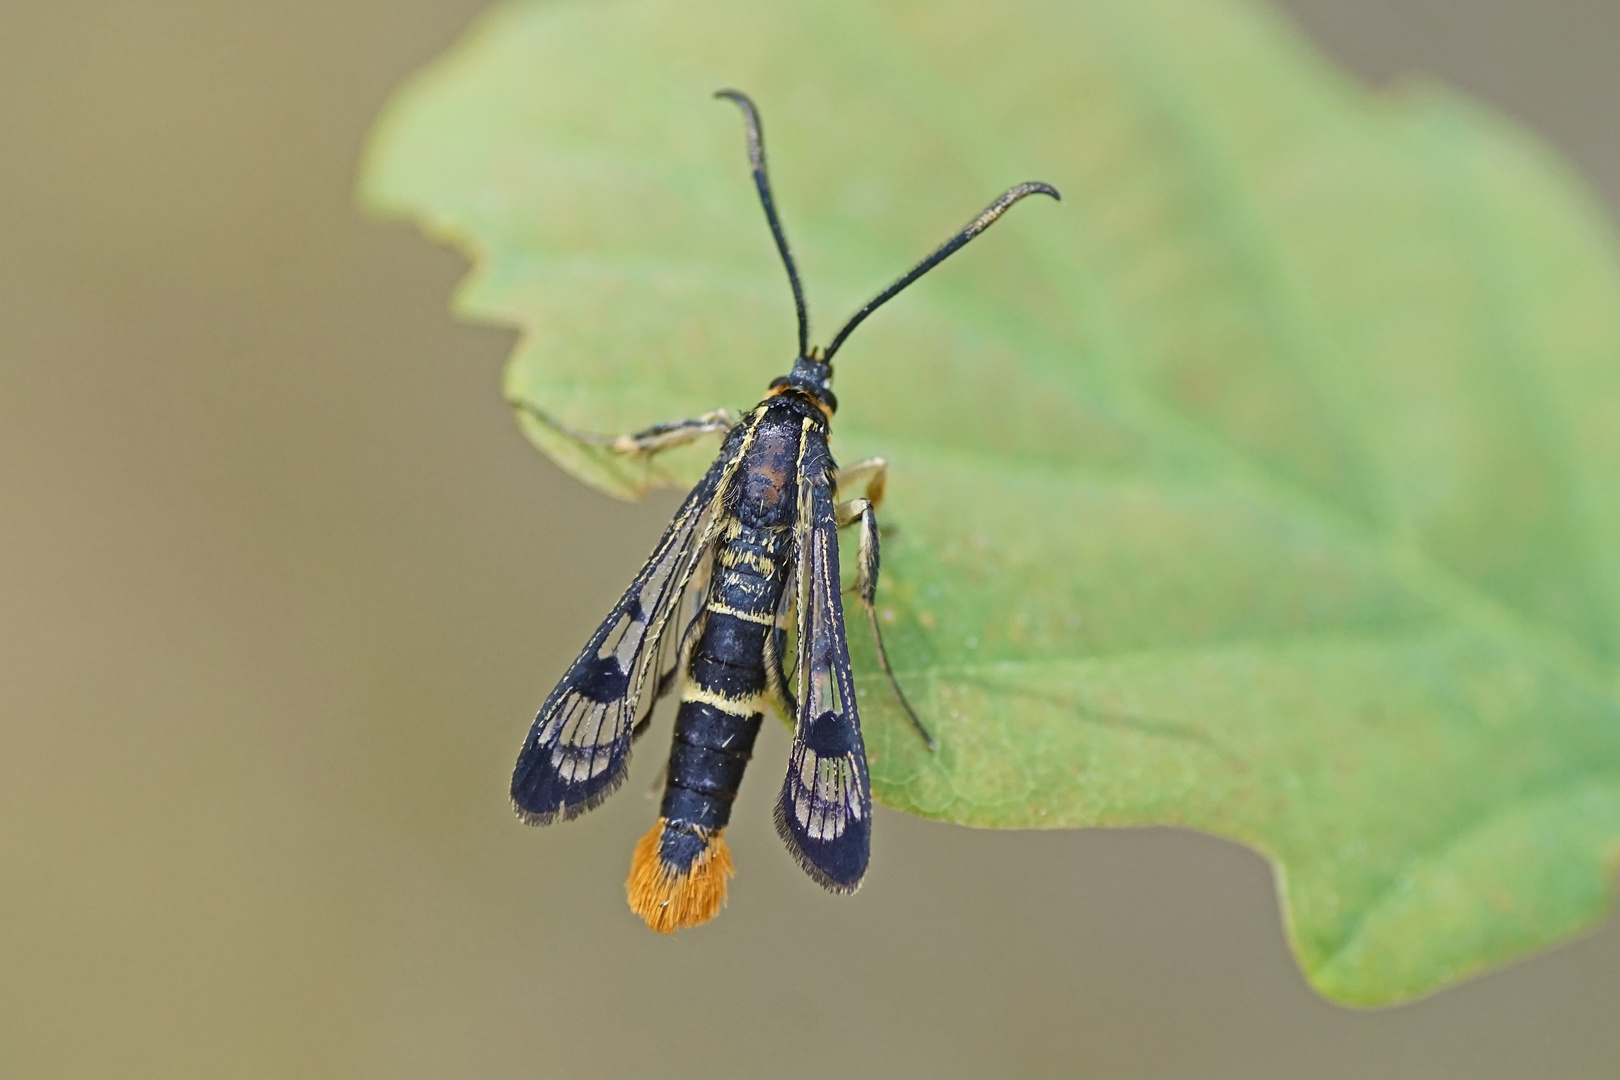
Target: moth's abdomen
{"type": "Point", "coordinates": [678, 875]}
{"type": "Point", "coordinates": [723, 698]}
{"type": "Point", "coordinates": [706, 764]}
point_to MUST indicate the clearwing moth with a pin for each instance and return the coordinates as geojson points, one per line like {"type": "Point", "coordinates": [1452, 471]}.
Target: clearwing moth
{"type": "Point", "coordinates": [751, 553]}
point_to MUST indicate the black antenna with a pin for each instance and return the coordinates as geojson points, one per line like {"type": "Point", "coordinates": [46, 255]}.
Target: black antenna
{"type": "Point", "coordinates": [974, 228]}
{"type": "Point", "coordinates": [756, 158]}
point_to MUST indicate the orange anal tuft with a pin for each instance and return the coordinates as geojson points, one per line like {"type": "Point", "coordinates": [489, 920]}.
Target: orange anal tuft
{"type": "Point", "coordinates": [669, 899]}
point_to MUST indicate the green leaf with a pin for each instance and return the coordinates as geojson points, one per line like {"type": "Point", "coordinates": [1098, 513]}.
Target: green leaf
{"type": "Point", "coordinates": [1269, 485]}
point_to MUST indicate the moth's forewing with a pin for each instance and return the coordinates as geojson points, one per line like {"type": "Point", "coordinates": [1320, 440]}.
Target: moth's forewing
{"type": "Point", "coordinates": [577, 752]}
{"type": "Point", "coordinates": [825, 810]}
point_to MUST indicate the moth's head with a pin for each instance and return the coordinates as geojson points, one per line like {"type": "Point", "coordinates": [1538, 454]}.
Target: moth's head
{"type": "Point", "coordinates": [812, 377]}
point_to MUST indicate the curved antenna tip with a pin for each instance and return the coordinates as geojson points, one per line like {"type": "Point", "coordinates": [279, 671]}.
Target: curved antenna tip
{"type": "Point", "coordinates": [986, 218]}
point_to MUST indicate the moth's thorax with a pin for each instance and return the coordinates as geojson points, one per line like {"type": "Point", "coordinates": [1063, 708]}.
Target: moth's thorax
{"type": "Point", "coordinates": [767, 479]}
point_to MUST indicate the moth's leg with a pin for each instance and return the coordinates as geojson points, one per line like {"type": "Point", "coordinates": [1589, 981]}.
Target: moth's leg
{"type": "Point", "coordinates": [873, 472]}
{"type": "Point", "coordinates": [640, 444]}
{"type": "Point", "coordinates": [866, 578]}
{"type": "Point", "coordinates": [777, 690]}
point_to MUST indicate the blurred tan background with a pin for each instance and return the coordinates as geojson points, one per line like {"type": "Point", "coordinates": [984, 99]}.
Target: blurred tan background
{"type": "Point", "coordinates": [282, 587]}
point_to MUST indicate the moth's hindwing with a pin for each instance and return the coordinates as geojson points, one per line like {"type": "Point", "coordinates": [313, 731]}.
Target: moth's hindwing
{"type": "Point", "coordinates": [825, 809]}
{"type": "Point", "coordinates": [578, 750]}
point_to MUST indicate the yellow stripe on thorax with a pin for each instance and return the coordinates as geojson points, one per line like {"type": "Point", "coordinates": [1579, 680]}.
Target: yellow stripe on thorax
{"type": "Point", "coordinates": [732, 556]}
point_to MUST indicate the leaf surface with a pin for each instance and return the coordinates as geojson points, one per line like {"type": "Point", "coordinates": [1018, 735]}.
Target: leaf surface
{"type": "Point", "coordinates": [1269, 485]}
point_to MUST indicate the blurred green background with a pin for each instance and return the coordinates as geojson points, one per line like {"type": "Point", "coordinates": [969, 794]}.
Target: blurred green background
{"type": "Point", "coordinates": [267, 659]}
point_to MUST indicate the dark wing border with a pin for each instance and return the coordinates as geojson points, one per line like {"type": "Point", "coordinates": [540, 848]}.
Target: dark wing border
{"type": "Point", "coordinates": [824, 813]}
{"type": "Point", "coordinates": [577, 752]}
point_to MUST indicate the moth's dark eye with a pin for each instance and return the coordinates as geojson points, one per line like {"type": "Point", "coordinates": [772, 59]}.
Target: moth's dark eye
{"type": "Point", "coordinates": [830, 399]}
{"type": "Point", "coordinates": [778, 383]}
